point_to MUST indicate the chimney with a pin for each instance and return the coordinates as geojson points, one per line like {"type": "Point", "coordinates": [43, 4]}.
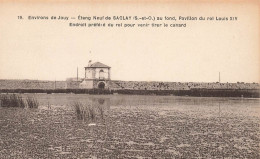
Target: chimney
{"type": "Point", "coordinates": [89, 63]}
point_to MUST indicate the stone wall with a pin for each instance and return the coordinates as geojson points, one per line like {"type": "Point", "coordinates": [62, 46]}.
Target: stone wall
{"type": "Point", "coordinates": [141, 85]}
{"type": "Point", "coordinates": [117, 85]}
{"type": "Point", "coordinates": [72, 84]}
{"type": "Point", "coordinates": [86, 84]}
{"type": "Point", "coordinates": [38, 84]}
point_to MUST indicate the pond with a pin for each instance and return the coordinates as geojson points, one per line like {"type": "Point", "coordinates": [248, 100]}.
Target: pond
{"type": "Point", "coordinates": [122, 126]}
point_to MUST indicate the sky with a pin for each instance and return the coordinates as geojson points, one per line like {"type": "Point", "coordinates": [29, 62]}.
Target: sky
{"type": "Point", "coordinates": [51, 50]}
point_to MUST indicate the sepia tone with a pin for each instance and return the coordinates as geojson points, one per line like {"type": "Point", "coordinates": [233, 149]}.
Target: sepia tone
{"type": "Point", "coordinates": [129, 79]}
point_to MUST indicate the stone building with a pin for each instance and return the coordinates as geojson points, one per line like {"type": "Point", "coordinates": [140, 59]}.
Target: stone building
{"type": "Point", "coordinates": [97, 75]}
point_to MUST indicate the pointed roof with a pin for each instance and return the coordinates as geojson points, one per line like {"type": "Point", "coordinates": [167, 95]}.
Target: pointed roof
{"type": "Point", "coordinates": [98, 65]}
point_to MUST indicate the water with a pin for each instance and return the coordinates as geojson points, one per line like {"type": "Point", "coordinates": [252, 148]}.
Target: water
{"type": "Point", "coordinates": [131, 127]}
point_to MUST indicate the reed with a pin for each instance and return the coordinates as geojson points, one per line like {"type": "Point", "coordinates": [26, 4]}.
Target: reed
{"type": "Point", "coordinates": [86, 111]}
{"type": "Point", "coordinates": [32, 102]}
{"type": "Point", "coordinates": [78, 109]}
{"type": "Point", "coordinates": [14, 100]}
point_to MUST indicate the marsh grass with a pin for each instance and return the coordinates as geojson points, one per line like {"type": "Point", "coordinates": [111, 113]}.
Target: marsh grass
{"type": "Point", "coordinates": [78, 109]}
{"type": "Point", "coordinates": [101, 111]}
{"type": "Point", "coordinates": [14, 100]}
{"type": "Point", "coordinates": [88, 112]}
{"type": "Point", "coordinates": [32, 102]}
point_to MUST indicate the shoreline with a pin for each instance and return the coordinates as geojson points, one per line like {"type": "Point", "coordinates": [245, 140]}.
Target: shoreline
{"type": "Point", "coordinates": [243, 93]}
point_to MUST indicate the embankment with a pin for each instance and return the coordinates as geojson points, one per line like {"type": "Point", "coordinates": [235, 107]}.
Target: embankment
{"type": "Point", "coordinates": [240, 89]}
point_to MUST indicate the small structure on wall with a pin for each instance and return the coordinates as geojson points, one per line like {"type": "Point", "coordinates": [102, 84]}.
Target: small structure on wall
{"type": "Point", "coordinates": [97, 75]}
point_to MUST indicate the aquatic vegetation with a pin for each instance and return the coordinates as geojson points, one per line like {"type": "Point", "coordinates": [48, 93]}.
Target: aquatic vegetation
{"type": "Point", "coordinates": [32, 102]}
{"type": "Point", "coordinates": [94, 109]}
{"type": "Point", "coordinates": [14, 100]}
{"type": "Point", "coordinates": [78, 109]}
{"type": "Point", "coordinates": [133, 127]}
{"type": "Point", "coordinates": [86, 111]}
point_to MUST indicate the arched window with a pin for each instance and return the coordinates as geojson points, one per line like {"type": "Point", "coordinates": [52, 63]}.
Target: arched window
{"type": "Point", "coordinates": [101, 74]}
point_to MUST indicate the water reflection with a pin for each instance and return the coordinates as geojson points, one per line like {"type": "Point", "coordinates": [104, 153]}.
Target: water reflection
{"type": "Point", "coordinates": [93, 110]}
